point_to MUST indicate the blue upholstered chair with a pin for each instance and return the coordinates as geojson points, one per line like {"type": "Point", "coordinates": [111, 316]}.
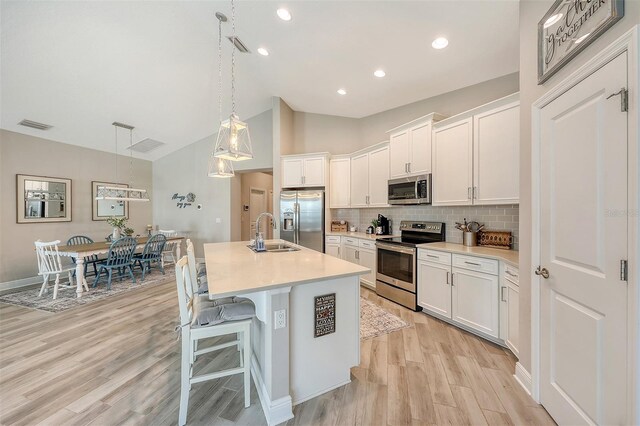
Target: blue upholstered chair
{"type": "Point", "coordinates": [151, 254]}
{"type": "Point", "coordinates": [89, 260]}
{"type": "Point", "coordinates": [120, 257]}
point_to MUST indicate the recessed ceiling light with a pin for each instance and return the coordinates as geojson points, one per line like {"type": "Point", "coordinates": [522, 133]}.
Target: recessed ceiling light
{"type": "Point", "coordinates": [263, 51]}
{"type": "Point", "coordinates": [581, 38]}
{"type": "Point", "coordinates": [284, 14]}
{"type": "Point", "coordinates": [342, 92]}
{"type": "Point", "coordinates": [440, 43]}
{"type": "Point", "coordinates": [379, 73]}
{"type": "Point", "coordinates": [552, 20]}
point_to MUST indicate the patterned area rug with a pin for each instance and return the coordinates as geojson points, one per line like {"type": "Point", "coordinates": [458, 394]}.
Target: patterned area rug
{"type": "Point", "coordinates": [376, 321]}
{"type": "Point", "coordinates": [67, 297]}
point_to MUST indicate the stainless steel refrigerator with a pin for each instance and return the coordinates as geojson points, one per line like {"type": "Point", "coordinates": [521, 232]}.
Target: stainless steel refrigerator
{"type": "Point", "coordinates": [302, 218]}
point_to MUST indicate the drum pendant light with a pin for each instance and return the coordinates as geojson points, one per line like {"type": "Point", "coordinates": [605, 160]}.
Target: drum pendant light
{"type": "Point", "coordinates": [220, 167]}
{"type": "Point", "coordinates": [234, 141]}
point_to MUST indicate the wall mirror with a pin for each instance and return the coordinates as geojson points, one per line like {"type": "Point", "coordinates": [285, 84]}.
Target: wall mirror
{"type": "Point", "coordinates": [104, 209]}
{"type": "Point", "coordinates": [43, 199]}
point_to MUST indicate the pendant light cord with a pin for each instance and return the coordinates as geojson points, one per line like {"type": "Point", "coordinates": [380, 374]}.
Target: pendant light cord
{"type": "Point", "coordinates": [130, 158]}
{"type": "Point", "coordinates": [233, 58]}
{"type": "Point", "coordinates": [115, 128]}
{"type": "Point", "coordinates": [219, 71]}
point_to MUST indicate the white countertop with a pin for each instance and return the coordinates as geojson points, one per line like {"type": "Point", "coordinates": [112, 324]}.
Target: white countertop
{"type": "Point", "coordinates": [361, 235]}
{"type": "Point", "coordinates": [510, 256]}
{"type": "Point", "coordinates": [233, 268]}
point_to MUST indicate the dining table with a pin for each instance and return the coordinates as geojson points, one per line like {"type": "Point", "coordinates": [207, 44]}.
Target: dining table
{"type": "Point", "coordinates": [80, 251]}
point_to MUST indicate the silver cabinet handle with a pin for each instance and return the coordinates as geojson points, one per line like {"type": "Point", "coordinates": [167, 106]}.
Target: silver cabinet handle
{"type": "Point", "coordinates": [508, 272]}
{"type": "Point", "coordinates": [434, 256]}
{"type": "Point", "coordinates": [474, 193]}
{"type": "Point", "coordinates": [409, 167]}
{"type": "Point", "coordinates": [452, 279]}
{"type": "Point", "coordinates": [502, 294]}
{"type": "Point", "coordinates": [338, 250]}
{"type": "Point", "coordinates": [468, 192]}
{"type": "Point", "coordinates": [447, 277]}
{"type": "Point", "coordinates": [358, 254]}
{"type": "Point", "coordinates": [543, 272]}
{"type": "Point", "coordinates": [471, 263]}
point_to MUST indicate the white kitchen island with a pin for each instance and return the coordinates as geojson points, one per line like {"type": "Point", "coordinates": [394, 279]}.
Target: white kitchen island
{"type": "Point", "coordinates": [289, 364]}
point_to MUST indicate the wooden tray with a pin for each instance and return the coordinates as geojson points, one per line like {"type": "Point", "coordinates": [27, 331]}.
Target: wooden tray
{"type": "Point", "coordinates": [495, 239]}
{"type": "Point", "coordinates": [336, 226]}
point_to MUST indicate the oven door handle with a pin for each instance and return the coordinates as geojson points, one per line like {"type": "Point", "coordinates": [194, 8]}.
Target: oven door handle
{"type": "Point", "coordinates": [399, 249]}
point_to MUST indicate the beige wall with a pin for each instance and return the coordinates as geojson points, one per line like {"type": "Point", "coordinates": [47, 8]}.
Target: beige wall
{"type": "Point", "coordinates": [530, 13]}
{"type": "Point", "coordinates": [23, 154]}
{"type": "Point", "coordinates": [185, 171]}
{"type": "Point", "coordinates": [342, 135]}
{"type": "Point", "coordinates": [254, 180]}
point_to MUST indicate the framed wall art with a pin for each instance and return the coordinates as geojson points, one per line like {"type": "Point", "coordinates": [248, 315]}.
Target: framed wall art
{"type": "Point", "coordinates": [42, 199]}
{"type": "Point", "coordinates": [104, 209]}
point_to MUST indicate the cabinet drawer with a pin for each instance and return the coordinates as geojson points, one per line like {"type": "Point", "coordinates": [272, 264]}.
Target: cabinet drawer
{"type": "Point", "coordinates": [488, 266]}
{"type": "Point", "coordinates": [351, 241]}
{"type": "Point", "coordinates": [332, 239]}
{"type": "Point", "coordinates": [367, 244]}
{"type": "Point", "coordinates": [511, 274]}
{"type": "Point", "coordinates": [434, 256]}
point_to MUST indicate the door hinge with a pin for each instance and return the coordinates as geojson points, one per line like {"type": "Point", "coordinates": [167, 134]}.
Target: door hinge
{"type": "Point", "coordinates": [624, 270]}
{"type": "Point", "coordinates": [624, 99]}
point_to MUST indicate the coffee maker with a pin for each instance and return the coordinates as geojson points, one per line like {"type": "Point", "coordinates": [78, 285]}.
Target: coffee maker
{"type": "Point", "coordinates": [385, 225]}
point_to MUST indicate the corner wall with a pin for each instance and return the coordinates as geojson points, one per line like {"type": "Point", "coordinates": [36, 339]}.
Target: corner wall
{"type": "Point", "coordinates": [185, 171]}
{"type": "Point", "coordinates": [25, 154]}
{"type": "Point", "coordinates": [530, 13]}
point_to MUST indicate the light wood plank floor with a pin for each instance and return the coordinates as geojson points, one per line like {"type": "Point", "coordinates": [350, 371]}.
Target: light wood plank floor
{"type": "Point", "coordinates": [117, 362]}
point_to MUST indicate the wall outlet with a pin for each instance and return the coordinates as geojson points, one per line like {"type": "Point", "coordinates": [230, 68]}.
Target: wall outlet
{"type": "Point", "coordinates": [280, 319]}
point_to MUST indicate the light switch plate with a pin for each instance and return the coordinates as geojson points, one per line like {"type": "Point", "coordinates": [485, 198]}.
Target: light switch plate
{"type": "Point", "coordinates": [218, 220]}
{"type": "Point", "coordinates": [280, 319]}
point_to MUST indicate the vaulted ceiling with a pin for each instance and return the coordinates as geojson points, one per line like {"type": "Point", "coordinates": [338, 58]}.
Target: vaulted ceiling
{"type": "Point", "coordinates": [79, 66]}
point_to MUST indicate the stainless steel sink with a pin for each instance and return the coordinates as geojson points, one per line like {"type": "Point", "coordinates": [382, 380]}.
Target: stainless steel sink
{"type": "Point", "coordinates": [277, 247]}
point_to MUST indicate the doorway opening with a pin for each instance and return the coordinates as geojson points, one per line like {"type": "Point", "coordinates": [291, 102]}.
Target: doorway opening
{"type": "Point", "coordinates": [256, 196]}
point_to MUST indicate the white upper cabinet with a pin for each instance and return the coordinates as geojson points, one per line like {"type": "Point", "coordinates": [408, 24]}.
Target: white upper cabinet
{"type": "Point", "coordinates": [496, 143]}
{"type": "Point", "coordinates": [453, 161]}
{"type": "Point", "coordinates": [309, 170]}
{"type": "Point", "coordinates": [369, 177]}
{"type": "Point", "coordinates": [410, 147]}
{"type": "Point", "coordinates": [476, 155]}
{"type": "Point", "coordinates": [340, 179]}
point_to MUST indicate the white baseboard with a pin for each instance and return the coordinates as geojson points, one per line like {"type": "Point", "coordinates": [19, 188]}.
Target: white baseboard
{"type": "Point", "coordinates": [275, 412]}
{"type": "Point", "coordinates": [308, 397]}
{"type": "Point", "coordinates": [24, 282]}
{"type": "Point", "coordinates": [523, 377]}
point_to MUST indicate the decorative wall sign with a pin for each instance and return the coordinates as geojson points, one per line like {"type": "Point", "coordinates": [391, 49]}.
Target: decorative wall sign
{"type": "Point", "coordinates": [570, 26]}
{"type": "Point", "coordinates": [184, 200]}
{"type": "Point", "coordinates": [325, 309]}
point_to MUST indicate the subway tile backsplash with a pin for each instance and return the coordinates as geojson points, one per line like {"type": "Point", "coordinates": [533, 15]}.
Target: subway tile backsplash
{"type": "Point", "coordinates": [495, 218]}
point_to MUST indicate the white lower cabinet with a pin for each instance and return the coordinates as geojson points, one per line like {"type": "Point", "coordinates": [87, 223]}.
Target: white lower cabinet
{"type": "Point", "coordinates": [466, 291]}
{"type": "Point", "coordinates": [434, 290]}
{"type": "Point", "coordinates": [510, 309]}
{"type": "Point", "coordinates": [363, 253]}
{"type": "Point", "coordinates": [474, 300]}
{"type": "Point", "coordinates": [332, 246]}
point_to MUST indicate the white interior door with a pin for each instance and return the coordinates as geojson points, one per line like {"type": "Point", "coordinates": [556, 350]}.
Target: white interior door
{"type": "Point", "coordinates": [583, 302]}
{"type": "Point", "coordinates": [257, 205]}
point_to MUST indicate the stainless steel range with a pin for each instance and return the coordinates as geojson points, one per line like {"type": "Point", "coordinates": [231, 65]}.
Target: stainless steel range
{"type": "Point", "coordinates": [396, 277]}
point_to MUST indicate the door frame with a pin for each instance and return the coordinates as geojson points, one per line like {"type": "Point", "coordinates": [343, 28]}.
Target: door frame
{"type": "Point", "coordinates": [266, 202]}
{"type": "Point", "coordinates": [629, 43]}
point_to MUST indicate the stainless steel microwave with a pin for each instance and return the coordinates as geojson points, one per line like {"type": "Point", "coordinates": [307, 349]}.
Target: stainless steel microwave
{"type": "Point", "coordinates": [410, 190]}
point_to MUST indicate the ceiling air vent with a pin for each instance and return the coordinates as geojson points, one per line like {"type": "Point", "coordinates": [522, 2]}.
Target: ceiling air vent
{"type": "Point", "coordinates": [146, 145]}
{"type": "Point", "coordinates": [35, 125]}
{"type": "Point", "coordinates": [239, 44]}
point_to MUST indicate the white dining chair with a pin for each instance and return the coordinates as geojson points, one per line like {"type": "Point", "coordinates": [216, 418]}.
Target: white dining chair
{"type": "Point", "coordinates": [231, 315]}
{"type": "Point", "coordinates": [169, 252]}
{"type": "Point", "coordinates": [49, 264]}
{"type": "Point", "coordinates": [197, 269]}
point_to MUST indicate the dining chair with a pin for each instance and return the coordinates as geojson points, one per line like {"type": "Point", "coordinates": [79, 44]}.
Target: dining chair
{"type": "Point", "coordinates": [169, 252]}
{"type": "Point", "coordinates": [49, 264]}
{"type": "Point", "coordinates": [230, 315]}
{"type": "Point", "coordinates": [119, 257]}
{"type": "Point", "coordinates": [151, 254]}
{"type": "Point", "coordinates": [198, 269]}
{"type": "Point", "coordinates": [88, 260]}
